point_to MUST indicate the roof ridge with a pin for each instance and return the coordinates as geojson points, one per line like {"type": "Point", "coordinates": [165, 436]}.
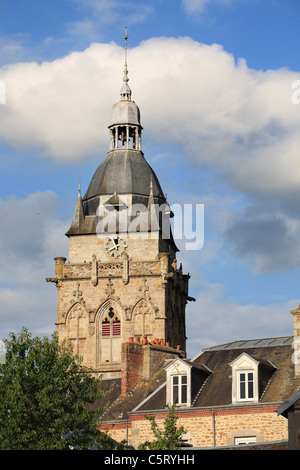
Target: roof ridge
{"type": "Point", "coordinates": [242, 344]}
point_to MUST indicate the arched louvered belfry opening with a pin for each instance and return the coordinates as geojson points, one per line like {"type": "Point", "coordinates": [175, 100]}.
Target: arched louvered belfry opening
{"type": "Point", "coordinates": [109, 334]}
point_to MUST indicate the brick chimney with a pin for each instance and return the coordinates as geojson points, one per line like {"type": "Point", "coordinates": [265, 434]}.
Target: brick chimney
{"type": "Point", "coordinates": [296, 345]}
{"type": "Point", "coordinates": [132, 361]}
{"type": "Point", "coordinates": [140, 360]}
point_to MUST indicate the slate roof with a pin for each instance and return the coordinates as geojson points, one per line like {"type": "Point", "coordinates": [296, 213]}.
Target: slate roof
{"type": "Point", "coordinates": [124, 171]}
{"type": "Point", "coordinates": [273, 353]}
{"type": "Point", "coordinates": [251, 343]}
{"type": "Point", "coordinates": [120, 406]}
{"type": "Point", "coordinates": [277, 351]}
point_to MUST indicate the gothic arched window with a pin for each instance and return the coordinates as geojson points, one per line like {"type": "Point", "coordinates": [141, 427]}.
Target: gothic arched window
{"type": "Point", "coordinates": [77, 328]}
{"type": "Point", "coordinates": [110, 341]}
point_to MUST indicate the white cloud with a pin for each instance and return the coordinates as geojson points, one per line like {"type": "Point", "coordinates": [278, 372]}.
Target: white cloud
{"type": "Point", "coordinates": [266, 240]}
{"type": "Point", "coordinates": [195, 6]}
{"type": "Point", "coordinates": [14, 48]}
{"type": "Point", "coordinates": [224, 320]}
{"type": "Point", "coordinates": [31, 307]}
{"type": "Point", "coordinates": [27, 236]}
{"type": "Point", "coordinates": [31, 235]}
{"type": "Point", "coordinates": [199, 6]}
{"type": "Point", "coordinates": [57, 106]}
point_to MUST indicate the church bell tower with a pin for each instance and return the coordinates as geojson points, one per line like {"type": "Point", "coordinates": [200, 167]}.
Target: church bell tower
{"type": "Point", "coordinates": [121, 281]}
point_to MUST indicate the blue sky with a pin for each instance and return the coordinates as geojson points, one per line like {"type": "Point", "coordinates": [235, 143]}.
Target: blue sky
{"type": "Point", "coordinates": [213, 80]}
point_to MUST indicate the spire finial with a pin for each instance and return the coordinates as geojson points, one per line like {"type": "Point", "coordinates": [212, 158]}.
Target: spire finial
{"type": "Point", "coordinates": [126, 37]}
{"type": "Point", "coordinates": [125, 91]}
{"type": "Point", "coordinates": [79, 216]}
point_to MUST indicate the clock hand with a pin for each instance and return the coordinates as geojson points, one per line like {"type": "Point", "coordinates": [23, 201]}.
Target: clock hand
{"type": "Point", "coordinates": [114, 241]}
{"type": "Point", "coordinates": [116, 245]}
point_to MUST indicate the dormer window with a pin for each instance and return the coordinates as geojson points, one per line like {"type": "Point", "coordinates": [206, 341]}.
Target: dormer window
{"type": "Point", "coordinates": [178, 383]}
{"type": "Point", "coordinates": [250, 377]}
{"type": "Point", "coordinates": [184, 381]}
{"type": "Point", "coordinates": [244, 379]}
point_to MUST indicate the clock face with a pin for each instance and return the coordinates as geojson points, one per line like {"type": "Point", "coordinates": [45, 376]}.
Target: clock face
{"type": "Point", "coordinates": [115, 246]}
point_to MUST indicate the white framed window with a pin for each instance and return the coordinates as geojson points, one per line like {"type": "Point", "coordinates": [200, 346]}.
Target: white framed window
{"type": "Point", "coordinates": [245, 384]}
{"type": "Point", "coordinates": [179, 389]}
{"type": "Point", "coordinates": [244, 440]}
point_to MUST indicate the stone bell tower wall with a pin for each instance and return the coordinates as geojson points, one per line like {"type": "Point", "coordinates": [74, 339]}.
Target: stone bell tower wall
{"type": "Point", "coordinates": [132, 299]}
{"type": "Point", "coordinates": [141, 247]}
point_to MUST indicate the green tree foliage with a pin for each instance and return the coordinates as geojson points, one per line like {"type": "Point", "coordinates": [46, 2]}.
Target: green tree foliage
{"type": "Point", "coordinates": [168, 438]}
{"type": "Point", "coordinates": [46, 396]}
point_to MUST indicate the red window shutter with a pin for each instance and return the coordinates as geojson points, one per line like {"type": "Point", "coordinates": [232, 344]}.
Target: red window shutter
{"type": "Point", "coordinates": [106, 329]}
{"type": "Point", "coordinates": [117, 329]}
